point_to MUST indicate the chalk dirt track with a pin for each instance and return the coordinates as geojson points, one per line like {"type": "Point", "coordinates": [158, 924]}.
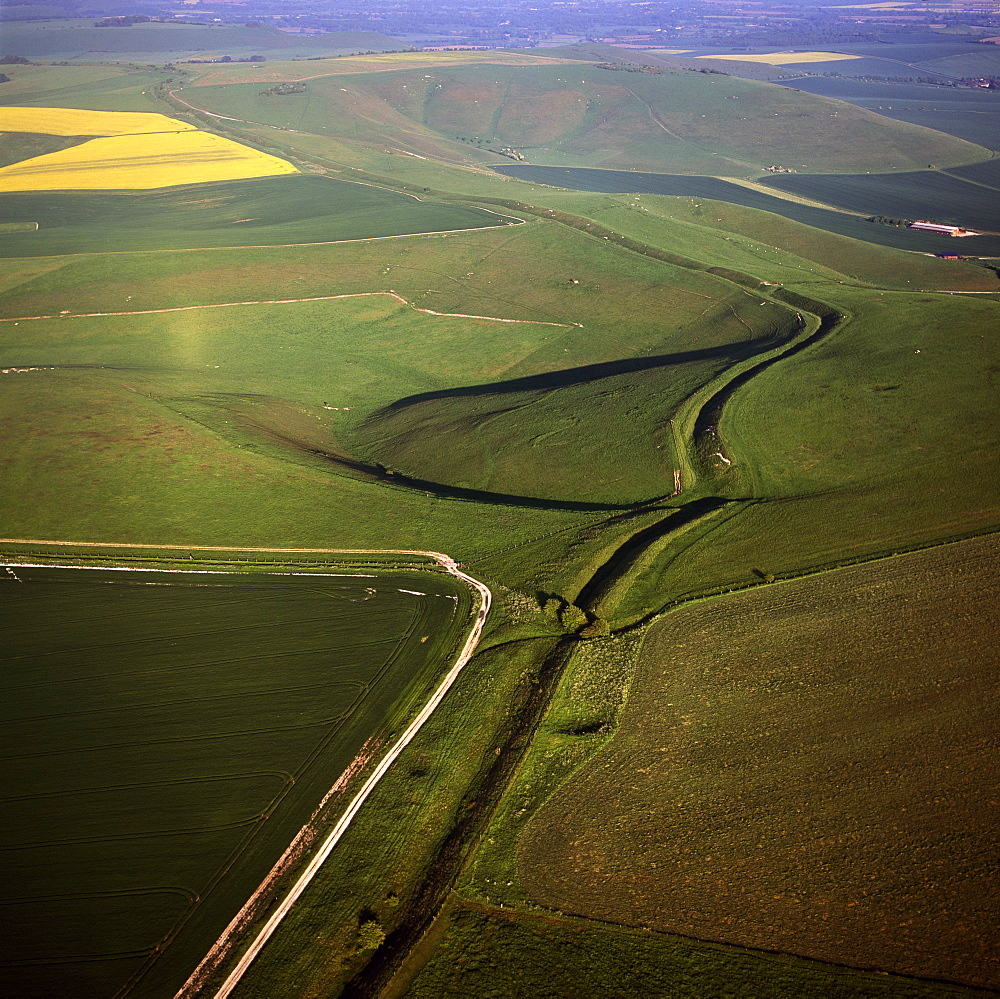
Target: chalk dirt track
{"type": "Point", "coordinates": [304, 838]}
{"type": "Point", "coordinates": [281, 301]}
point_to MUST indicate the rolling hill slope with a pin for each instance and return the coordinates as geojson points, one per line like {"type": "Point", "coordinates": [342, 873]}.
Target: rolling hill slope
{"type": "Point", "coordinates": [584, 115]}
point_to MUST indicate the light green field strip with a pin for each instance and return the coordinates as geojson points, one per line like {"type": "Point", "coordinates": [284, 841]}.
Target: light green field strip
{"type": "Point", "coordinates": [777, 192]}
{"type": "Point", "coordinates": [295, 70]}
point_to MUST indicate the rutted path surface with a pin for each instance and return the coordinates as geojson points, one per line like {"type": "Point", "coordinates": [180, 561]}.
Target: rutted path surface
{"type": "Point", "coordinates": [221, 948]}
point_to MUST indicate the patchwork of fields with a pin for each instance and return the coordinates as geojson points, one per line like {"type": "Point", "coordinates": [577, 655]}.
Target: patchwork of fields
{"type": "Point", "coordinates": [138, 151]}
{"type": "Point", "coordinates": [728, 476]}
{"type": "Point", "coordinates": [166, 734]}
{"type": "Point", "coordinates": [937, 196]}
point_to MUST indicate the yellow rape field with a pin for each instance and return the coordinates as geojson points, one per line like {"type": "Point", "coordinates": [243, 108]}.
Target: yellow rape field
{"type": "Point", "coordinates": [784, 58]}
{"type": "Point", "coordinates": [130, 162]}
{"type": "Point", "coordinates": [74, 121]}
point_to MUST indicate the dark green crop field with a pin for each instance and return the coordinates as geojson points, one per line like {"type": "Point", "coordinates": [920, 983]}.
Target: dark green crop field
{"type": "Point", "coordinates": [166, 735]}
{"type": "Point", "coordinates": [928, 194]}
{"type": "Point", "coordinates": [973, 115]}
{"type": "Point", "coordinates": [799, 769]}
{"type": "Point", "coordinates": [980, 60]}
{"type": "Point", "coordinates": [266, 212]}
{"type": "Point", "coordinates": [19, 146]}
{"type": "Point", "coordinates": [890, 194]}
{"type": "Point", "coordinates": [920, 50]}
{"type": "Point", "coordinates": [986, 173]}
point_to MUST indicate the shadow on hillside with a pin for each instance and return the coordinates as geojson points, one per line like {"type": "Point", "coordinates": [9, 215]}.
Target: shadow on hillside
{"type": "Point", "coordinates": [581, 375]}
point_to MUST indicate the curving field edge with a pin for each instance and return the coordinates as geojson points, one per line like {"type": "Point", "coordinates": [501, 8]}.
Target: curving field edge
{"type": "Point", "coordinates": [221, 948]}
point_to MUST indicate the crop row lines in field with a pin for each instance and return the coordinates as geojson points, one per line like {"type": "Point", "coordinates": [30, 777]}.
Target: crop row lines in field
{"type": "Point", "coordinates": [306, 835]}
{"type": "Point", "coordinates": [223, 945]}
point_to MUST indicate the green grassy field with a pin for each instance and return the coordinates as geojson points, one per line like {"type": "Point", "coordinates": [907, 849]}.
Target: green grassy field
{"type": "Point", "coordinates": [577, 115]}
{"type": "Point", "coordinates": [269, 211]}
{"type": "Point", "coordinates": [101, 87]}
{"type": "Point", "coordinates": [160, 761]}
{"type": "Point", "coordinates": [817, 794]}
{"type": "Point", "coordinates": [923, 457]}
{"type": "Point", "coordinates": [751, 241]}
{"type": "Point", "coordinates": [505, 395]}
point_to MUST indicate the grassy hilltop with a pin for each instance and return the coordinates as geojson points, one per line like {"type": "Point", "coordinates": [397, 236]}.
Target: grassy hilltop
{"type": "Point", "coordinates": [729, 478]}
{"type": "Point", "coordinates": [573, 114]}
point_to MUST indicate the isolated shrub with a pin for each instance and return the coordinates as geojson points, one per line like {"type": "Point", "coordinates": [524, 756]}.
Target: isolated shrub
{"type": "Point", "coordinates": [552, 605]}
{"type": "Point", "coordinates": [572, 618]}
{"type": "Point", "coordinates": [598, 628]}
{"type": "Point", "coordinates": [370, 935]}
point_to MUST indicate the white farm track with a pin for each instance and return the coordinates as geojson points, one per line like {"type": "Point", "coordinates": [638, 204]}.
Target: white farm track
{"type": "Point", "coordinates": [286, 301]}
{"type": "Point", "coordinates": [307, 834]}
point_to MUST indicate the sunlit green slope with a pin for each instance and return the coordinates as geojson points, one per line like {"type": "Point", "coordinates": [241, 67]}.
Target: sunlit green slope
{"type": "Point", "coordinates": [583, 115]}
